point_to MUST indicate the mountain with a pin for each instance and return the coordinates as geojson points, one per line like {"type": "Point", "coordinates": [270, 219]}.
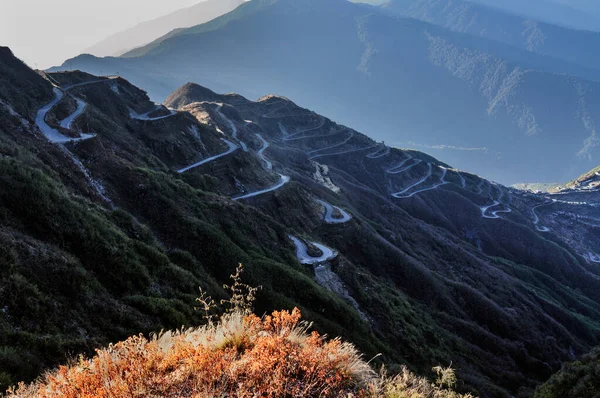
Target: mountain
{"type": "Point", "coordinates": [148, 31]}
{"type": "Point", "coordinates": [586, 182]}
{"type": "Point", "coordinates": [492, 23]}
{"type": "Point", "coordinates": [114, 210]}
{"type": "Point", "coordinates": [576, 14]}
{"type": "Point", "coordinates": [484, 106]}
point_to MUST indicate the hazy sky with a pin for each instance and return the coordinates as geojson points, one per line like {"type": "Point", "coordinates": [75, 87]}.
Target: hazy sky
{"type": "Point", "coordinates": [47, 32]}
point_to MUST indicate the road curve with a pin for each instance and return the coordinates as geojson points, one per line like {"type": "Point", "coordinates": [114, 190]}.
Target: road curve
{"type": "Point", "coordinates": [328, 217]}
{"type": "Point", "coordinates": [398, 170]}
{"type": "Point", "coordinates": [431, 188]}
{"type": "Point", "coordinates": [384, 151]}
{"type": "Point", "coordinates": [293, 136]}
{"type": "Point", "coordinates": [284, 180]}
{"type": "Point", "coordinates": [484, 210]}
{"type": "Point", "coordinates": [305, 258]}
{"type": "Point", "coordinates": [232, 148]}
{"type": "Point", "coordinates": [144, 117]}
{"type": "Point", "coordinates": [261, 152]}
{"type": "Point", "coordinates": [480, 186]}
{"type": "Point", "coordinates": [313, 152]}
{"type": "Point", "coordinates": [536, 219]}
{"type": "Point", "coordinates": [232, 126]}
{"type": "Point", "coordinates": [52, 134]}
{"type": "Point", "coordinates": [341, 153]}
{"type": "Point", "coordinates": [463, 182]}
{"type": "Point", "coordinates": [68, 121]}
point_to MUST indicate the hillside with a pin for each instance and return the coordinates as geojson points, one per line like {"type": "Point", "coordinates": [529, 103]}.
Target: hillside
{"type": "Point", "coordinates": [148, 31]}
{"type": "Point", "coordinates": [475, 103]}
{"type": "Point", "coordinates": [577, 14]}
{"type": "Point", "coordinates": [589, 181]}
{"type": "Point", "coordinates": [577, 379]}
{"type": "Point", "coordinates": [125, 207]}
{"type": "Point", "coordinates": [492, 23]}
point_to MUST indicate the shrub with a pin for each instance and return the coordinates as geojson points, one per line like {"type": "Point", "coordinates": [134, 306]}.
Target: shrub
{"type": "Point", "coordinates": [241, 355]}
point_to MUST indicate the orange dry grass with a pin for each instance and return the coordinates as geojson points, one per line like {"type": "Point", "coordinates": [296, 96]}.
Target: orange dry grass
{"type": "Point", "coordinates": [240, 357]}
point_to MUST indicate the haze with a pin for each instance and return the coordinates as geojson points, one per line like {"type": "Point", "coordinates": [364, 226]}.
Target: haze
{"type": "Point", "coordinates": [45, 33]}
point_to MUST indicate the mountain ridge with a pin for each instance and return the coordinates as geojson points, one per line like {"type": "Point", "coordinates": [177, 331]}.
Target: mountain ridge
{"type": "Point", "coordinates": [481, 20]}
{"type": "Point", "coordinates": [398, 67]}
{"type": "Point", "coordinates": [136, 36]}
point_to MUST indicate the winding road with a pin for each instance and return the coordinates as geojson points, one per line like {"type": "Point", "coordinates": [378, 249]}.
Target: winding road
{"type": "Point", "coordinates": [293, 137]}
{"type": "Point", "coordinates": [480, 186]}
{"type": "Point", "coordinates": [342, 152]}
{"type": "Point", "coordinates": [463, 182]}
{"type": "Point", "coordinates": [52, 134]}
{"type": "Point", "coordinates": [261, 152]}
{"type": "Point", "coordinates": [594, 258]}
{"type": "Point", "coordinates": [329, 209]}
{"type": "Point", "coordinates": [145, 116]}
{"type": "Point", "coordinates": [233, 127]}
{"type": "Point", "coordinates": [536, 219]}
{"type": "Point", "coordinates": [68, 122]}
{"type": "Point", "coordinates": [494, 214]}
{"type": "Point", "coordinates": [303, 256]}
{"type": "Point", "coordinates": [399, 195]}
{"type": "Point", "coordinates": [313, 152]}
{"type": "Point", "coordinates": [399, 165]}
{"type": "Point", "coordinates": [232, 148]}
{"type": "Point", "coordinates": [384, 151]}
{"type": "Point", "coordinates": [72, 86]}
{"type": "Point", "coordinates": [398, 170]}
{"type": "Point", "coordinates": [284, 180]}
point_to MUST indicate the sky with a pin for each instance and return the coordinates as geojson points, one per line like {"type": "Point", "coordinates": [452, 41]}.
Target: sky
{"type": "Point", "coordinates": [44, 33]}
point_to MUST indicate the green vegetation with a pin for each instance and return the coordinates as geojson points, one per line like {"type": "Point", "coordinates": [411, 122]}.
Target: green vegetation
{"type": "Point", "coordinates": [579, 379]}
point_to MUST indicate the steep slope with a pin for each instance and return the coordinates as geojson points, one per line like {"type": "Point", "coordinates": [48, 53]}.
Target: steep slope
{"type": "Point", "coordinates": [475, 103]}
{"type": "Point", "coordinates": [146, 32]}
{"type": "Point", "coordinates": [480, 20]}
{"type": "Point", "coordinates": [390, 249]}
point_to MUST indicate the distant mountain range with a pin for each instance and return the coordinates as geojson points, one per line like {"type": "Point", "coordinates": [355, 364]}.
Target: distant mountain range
{"type": "Point", "coordinates": [146, 32]}
{"type": "Point", "coordinates": [504, 111]}
{"type": "Point", "coordinates": [528, 34]}
{"type": "Point", "coordinates": [578, 14]}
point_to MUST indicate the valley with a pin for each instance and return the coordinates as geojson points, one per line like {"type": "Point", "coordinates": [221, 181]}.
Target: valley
{"type": "Point", "coordinates": [389, 248]}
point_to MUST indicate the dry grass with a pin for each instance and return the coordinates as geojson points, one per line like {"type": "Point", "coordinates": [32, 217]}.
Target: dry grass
{"type": "Point", "coordinates": [241, 355]}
